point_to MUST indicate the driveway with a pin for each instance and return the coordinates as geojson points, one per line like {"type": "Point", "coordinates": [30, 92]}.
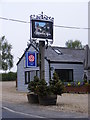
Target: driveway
{"type": "Point", "coordinates": [68, 105]}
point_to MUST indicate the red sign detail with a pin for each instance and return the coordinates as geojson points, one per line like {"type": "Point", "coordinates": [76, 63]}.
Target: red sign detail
{"type": "Point", "coordinates": [31, 58]}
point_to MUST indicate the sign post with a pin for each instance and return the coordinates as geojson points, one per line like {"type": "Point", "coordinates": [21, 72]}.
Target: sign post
{"type": "Point", "coordinates": [89, 41]}
{"type": "Point", "coordinates": [89, 56]}
{"type": "Point", "coordinates": [41, 57]}
{"type": "Point", "coordinates": [41, 27]}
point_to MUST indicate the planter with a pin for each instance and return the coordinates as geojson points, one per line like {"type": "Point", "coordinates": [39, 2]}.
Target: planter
{"type": "Point", "coordinates": [48, 100]}
{"type": "Point", "coordinates": [32, 98]}
{"type": "Point", "coordinates": [78, 89]}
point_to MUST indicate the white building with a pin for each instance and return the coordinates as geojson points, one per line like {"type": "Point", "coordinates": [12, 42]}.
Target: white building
{"type": "Point", "coordinates": [68, 63]}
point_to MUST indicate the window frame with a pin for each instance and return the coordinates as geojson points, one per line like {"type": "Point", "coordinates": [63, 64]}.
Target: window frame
{"type": "Point", "coordinates": [28, 75]}
{"type": "Point", "coordinates": [68, 71]}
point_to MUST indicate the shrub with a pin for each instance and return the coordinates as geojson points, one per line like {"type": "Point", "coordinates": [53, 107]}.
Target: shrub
{"type": "Point", "coordinates": [42, 89]}
{"type": "Point", "coordinates": [56, 85]}
{"type": "Point", "coordinates": [11, 76]}
{"type": "Point", "coordinates": [33, 84]}
{"type": "Point", "coordinates": [86, 83]}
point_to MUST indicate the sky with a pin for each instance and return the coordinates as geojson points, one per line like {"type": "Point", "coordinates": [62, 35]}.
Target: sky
{"type": "Point", "coordinates": [74, 14]}
{"type": "Point", "coordinates": [40, 23]}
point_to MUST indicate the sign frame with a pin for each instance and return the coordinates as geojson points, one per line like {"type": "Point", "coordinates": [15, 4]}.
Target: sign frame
{"type": "Point", "coordinates": [33, 58]}
{"type": "Point", "coordinates": [44, 34]}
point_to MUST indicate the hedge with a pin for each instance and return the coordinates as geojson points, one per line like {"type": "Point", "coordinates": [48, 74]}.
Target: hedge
{"type": "Point", "coordinates": [10, 76]}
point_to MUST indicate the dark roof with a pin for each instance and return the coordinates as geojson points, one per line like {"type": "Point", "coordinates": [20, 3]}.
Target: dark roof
{"type": "Point", "coordinates": [65, 55]}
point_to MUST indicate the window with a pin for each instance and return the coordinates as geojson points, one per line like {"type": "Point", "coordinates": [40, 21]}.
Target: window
{"type": "Point", "coordinates": [65, 75]}
{"type": "Point", "coordinates": [29, 75]}
{"type": "Point", "coordinates": [57, 51]}
{"type": "Point", "coordinates": [37, 59]}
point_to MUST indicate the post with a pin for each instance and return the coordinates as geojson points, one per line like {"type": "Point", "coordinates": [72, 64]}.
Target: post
{"type": "Point", "coordinates": [30, 29]}
{"type": "Point", "coordinates": [41, 57]}
{"type": "Point", "coordinates": [89, 27]}
{"type": "Point", "coordinates": [88, 78]}
{"type": "Point", "coordinates": [89, 56]}
{"type": "Point", "coordinates": [89, 41]}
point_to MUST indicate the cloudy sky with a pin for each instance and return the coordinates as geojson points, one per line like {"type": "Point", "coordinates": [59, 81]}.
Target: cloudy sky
{"type": "Point", "coordinates": [74, 14]}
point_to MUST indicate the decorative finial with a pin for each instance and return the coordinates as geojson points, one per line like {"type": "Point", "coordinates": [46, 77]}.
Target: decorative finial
{"type": "Point", "coordinates": [42, 14]}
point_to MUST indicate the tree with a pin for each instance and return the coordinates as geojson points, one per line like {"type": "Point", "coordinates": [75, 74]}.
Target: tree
{"type": "Point", "coordinates": [74, 44]}
{"type": "Point", "coordinates": [5, 54]}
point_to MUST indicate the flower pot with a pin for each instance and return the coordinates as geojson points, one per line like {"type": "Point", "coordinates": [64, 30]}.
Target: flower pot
{"type": "Point", "coordinates": [32, 98]}
{"type": "Point", "coordinates": [48, 100]}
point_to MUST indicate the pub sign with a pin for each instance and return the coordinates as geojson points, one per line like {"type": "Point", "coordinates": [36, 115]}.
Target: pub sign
{"type": "Point", "coordinates": [31, 59]}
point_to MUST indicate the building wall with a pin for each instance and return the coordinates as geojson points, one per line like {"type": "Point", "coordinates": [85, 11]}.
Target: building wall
{"type": "Point", "coordinates": [20, 76]}
{"type": "Point", "coordinates": [78, 70]}
{"type": "Point", "coordinates": [21, 86]}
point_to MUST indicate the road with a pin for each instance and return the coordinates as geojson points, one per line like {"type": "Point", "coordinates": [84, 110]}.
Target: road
{"type": "Point", "coordinates": [12, 115]}
{"type": "Point", "coordinates": [7, 113]}
{"type": "Point", "coordinates": [11, 110]}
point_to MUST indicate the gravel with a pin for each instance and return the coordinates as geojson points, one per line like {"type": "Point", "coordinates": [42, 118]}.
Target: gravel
{"type": "Point", "coordinates": [66, 102]}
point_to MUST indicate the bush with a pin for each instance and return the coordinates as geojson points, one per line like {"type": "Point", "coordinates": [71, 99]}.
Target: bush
{"type": "Point", "coordinates": [11, 76]}
{"type": "Point", "coordinates": [33, 84]}
{"type": "Point", "coordinates": [41, 88]}
{"type": "Point", "coordinates": [56, 85]}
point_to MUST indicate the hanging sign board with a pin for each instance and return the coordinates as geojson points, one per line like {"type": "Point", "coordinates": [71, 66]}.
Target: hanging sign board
{"type": "Point", "coordinates": [42, 29]}
{"type": "Point", "coordinates": [31, 59]}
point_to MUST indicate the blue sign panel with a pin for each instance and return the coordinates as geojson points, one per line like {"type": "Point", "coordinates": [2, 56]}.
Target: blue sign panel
{"type": "Point", "coordinates": [31, 59]}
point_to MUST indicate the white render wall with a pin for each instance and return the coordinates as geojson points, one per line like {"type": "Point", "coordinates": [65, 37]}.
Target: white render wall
{"type": "Point", "coordinates": [21, 76]}
{"type": "Point", "coordinates": [21, 86]}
